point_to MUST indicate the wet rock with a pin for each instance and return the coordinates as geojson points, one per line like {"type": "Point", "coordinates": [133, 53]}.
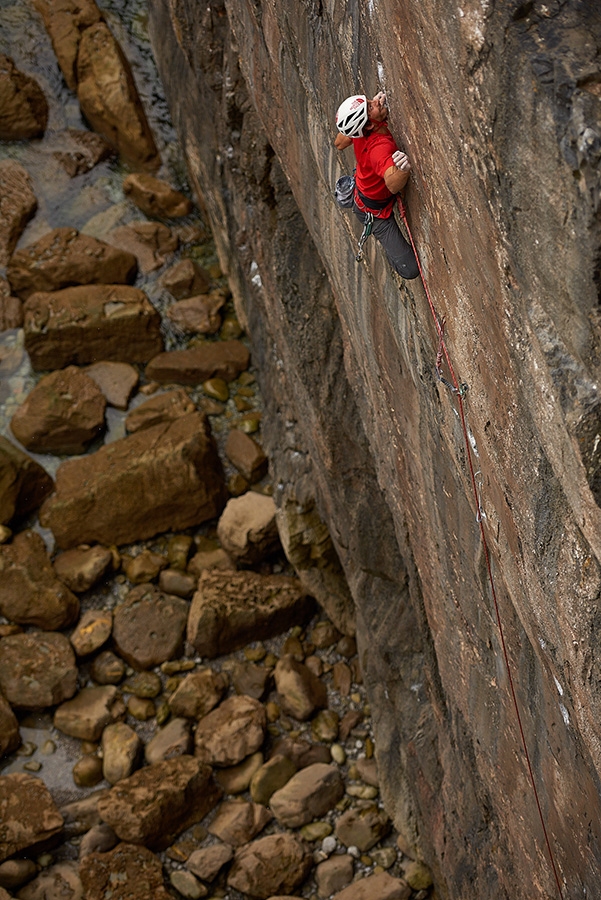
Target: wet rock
{"type": "Point", "coordinates": [81, 151]}
{"type": "Point", "coordinates": [230, 609]}
{"type": "Point", "coordinates": [17, 205]}
{"type": "Point", "coordinates": [156, 803]}
{"type": "Point", "coordinates": [250, 679]}
{"type": "Point", "coordinates": [87, 323]}
{"type": "Point", "coordinates": [107, 668]}
{"type": "Point", "coordinates": [271, 777]}
{"type": "Point", "coordinates": [207, 862]}
{"type": "Point", "coordinates": [247, 528]}
{"type": "Point", "coordinates": [30, 592]}
{"type": "Point", "coordinates": [15, 872]}
{"type": "Point", "coordinates": [300, 691]}
{"type": "Point", "coordinates": [164, 478]}
{"type": "Point", "coordinates": [150, 242]}
{"type": "Point", "coordinates": [24, 483]}
{"type": "Point", "coordinates": [274, 864]}
{"type": "Point", "coordinates": [236, 779]}
{"type": "Point", "coordinates": [179, 583]}
{"type": "Point", "coordinates": [246, 455]}
{"type": "Point", "coordinates": [98, 839]}
{"type": "Point", "coordinates": [198, 694]}
{"type": "Point", "coordinates": [128, 872]}
{"type": "Point", "coordinates": [197, 315]}
{"type": "Point", "coordinates": [116, 380]}
{"type": "Point", "coordinates": [59, 881]}
{"type": "Point", "coordinates": [222, 359]}
{"type": "Point", "coordinates": [81, 815]}
{"type": "Point", "coordinates": [175, 739]}
{"type": "Point", "coordinates": [81, 568]}
{"type": "Point", "coordinates": [231, 732]}
{"type": "Point", "coordinates": [362, 827]}
{"type": "Point", "coordinates": [63, 257]}
{"type": "Point", "coordinates": [23, 106]}
{"type": "Point", "coordinates": [334, 874]}
{"type": "Point", "coordinates": [87, 715]}
{"type": "Point", "coordinates": [158, 410]}
{"type": "Point", "coordinates": [307, 795]}
{"type": "Point", "coordinates": [376, 887]}
{"type": "Point", "coordinates": [156, 198]}
{"type": "Point", "coordinates": [11, 308]}
{"type": "Point", "coordinates": [186, 279]}
{"type": "Point", "coordinates": [63, 414]}
{"type": "Point", "coordinates": [10, 737]}
{"type": "Point", "coordinates": [65, 21]}
{"type": "Point", "coordinates": [148, 627]}
{"type": "Point", "coordinates": [92, 631]}
{"type": "Point", "coordinates": [238, 822]}
{"type": "Point", "coordinates": [27, 812]}
{"type": "Point", "coordinates": [108, 97]}
{"type": "Point", "coordinates": [121, 751]}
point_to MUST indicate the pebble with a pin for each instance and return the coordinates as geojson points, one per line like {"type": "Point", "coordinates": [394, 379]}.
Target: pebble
{"type": "Point", "coordinates": [187, 885]}
{"type": "Point", "coordinates": [338, 754]}
{"type": "Point", "coordinates": [329, 844]}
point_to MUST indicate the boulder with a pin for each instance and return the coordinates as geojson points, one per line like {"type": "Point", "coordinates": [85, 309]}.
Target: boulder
{"type": "Point", "coordinates": [334, 874]}
{"type": "Point", "coordinates": [236, 779]}
{"type": "Point", "coordinates": [271, 777]}
{"type": "Point", "coordinates": [23, 106]}
{"type": "Point", "coordinates": [28, 814]}
{"type": "Point", "coordinates": [87, 715]}
{"type": "Point", "coordinates": [300, 691]}
{"type": "Point", "coordinates": [99, 839]}
{"type": "Point", "coordinates": [17, 205]}
{"type": "Point", "coordinates": [116, 380]}
{"type": "Point", "coordinates": [10, 737]}
{"type": "Point", "coordinates": [63, 414]}
{"type": "Point", "coordinates": [156, 198]}
{"type": "Point", "coordinates": [175, 739]}
{"type": "Point", "coordinates": [376, 887]}
{"type": "Point", "coordinates": [238, 822]}
{"type": "Point", "coordinates": [16, 872]}
{"type": "Point", "coordinates": [151, 243]}
{"type": "Point", "coordinates": [229, 609]}
{"type": "Point", "coordinates": [148, 627]}
{"type": "Point", "coordinates": [246, 455]}
{"type": "Point", "coordinates": [64, 257]}
{"type": "Point", "coordinates": [86, 324]}
{"type": "Point", "coordinates": [222, 359]}
{"type": "Point", "coordinates": [161, 479]}
{"type": "Point", "coordinates": [247, 528]}
{"type": "Point", "coordinates": [128, 872]}
{"type": "Point", "coordinates": [159, 409]}
{"type": "Point", "coordinates": [92, 631]}
{"type": "Point", "coordinates": [275, 864]}
{"type": "Point", "coordinates": [198, 694]}
{"type": "Point", "coordinates": [24, 483]}
{"type": "Point", "coordinates": [156, 803]}
{"type": "Point", "coordinates": [11, 308]}
{"type": "Point", "coordinates": [58, 881]}
{"type": "Point", "coordinates": [81, 151]}
{"type": "Point", "coordinates": [309, 794]}
{"type": "Point", "coordinates": [197, 315]}
{"type": "Point", "coordinates": [363, 826]}
{"type": "Point", "coordinates": [64, 21]}
{"type": "Point", "coordinates": [81, 815]}
{"type": "Point", "coordinates": [228, 734]}
{"type": "Point", "coordinates": [185, 279]}
{"type": "Point", "coordinates": [82, 568]}
{"type": "Point", "coordinates": [30, 592]}
{"type": "Point", "coordinates": [37, 670]}
{"type": "Point", "coordinates": [207, 862]}
{"type": "Point", "coordinates": [107, 668]}
{"type": "Point", "coordinates": [121, 751]}
{"type": "Point", "coordinates": [109, 99]}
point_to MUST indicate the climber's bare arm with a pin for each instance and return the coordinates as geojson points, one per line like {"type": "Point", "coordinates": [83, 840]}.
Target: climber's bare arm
{"type": "Point", "coordinates": [342, 141]}
{"type": "Point", "coordinates": [397, 176]}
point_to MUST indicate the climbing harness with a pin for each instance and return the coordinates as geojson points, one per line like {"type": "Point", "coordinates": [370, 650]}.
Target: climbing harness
{"type": "Point", "coordinates": [459, 389]}
{"type": "Point", "coordinates": [369, 221]}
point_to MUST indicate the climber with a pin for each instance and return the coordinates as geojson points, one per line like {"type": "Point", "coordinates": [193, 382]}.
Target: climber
{"type": "Point", "coordinates": [382, 171]}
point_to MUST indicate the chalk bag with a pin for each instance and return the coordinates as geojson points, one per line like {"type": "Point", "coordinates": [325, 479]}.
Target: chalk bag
{"type": "Point", "coordinates": [344, 191]}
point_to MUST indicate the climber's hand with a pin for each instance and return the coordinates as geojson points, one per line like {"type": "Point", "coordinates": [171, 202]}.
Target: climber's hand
{"type": "Point", "coordinates": [401, 161]}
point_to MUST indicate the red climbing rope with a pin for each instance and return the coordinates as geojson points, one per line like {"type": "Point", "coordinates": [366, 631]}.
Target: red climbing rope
{"type": "Point", "coordinates": [460, 390]}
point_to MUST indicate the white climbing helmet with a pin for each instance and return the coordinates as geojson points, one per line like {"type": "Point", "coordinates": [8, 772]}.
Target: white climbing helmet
{"type": "Point", "coordinates": [352, 116]}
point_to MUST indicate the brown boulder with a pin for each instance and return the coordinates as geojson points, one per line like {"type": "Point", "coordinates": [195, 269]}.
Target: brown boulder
{"type": "Point", "coordinates": [219, 359]}
{"type": "Point", "coordinates": [237, 823]}
{"type": "Point", "coordinates": [109, 99]}
{"type": "Point", "coordinates": [116, 380]}
{"type": "Point", "coordinates": [64, 257]}
{"type": "Point", "coordinates": [85, 324]}
{"type": "Point", "coordinates": [151, 243]}
{"type": "Point", "coordinates": [17, 205]}
{"type": "Point", "coordinates": [159, 409]}
{"type": "Point", "coordinates": [148, 627]}
{"type": "Point", "coordinates": [246, 455]}
{"type": "Point", "coordinates": [247, 528]}
{"type": "Point", "coordinates": [156, 803]}
{"type": "Point", "coordinates": [198, 694]}
{"type": "Point", "coordinates": [11, 308]}
{"type": "Point", "coordinates": [185, 279]}
{"type": "Point", "coordinates": [27, 812]}
{"type": "Point", "coordinates": [93, 630]}
{"type": "Point", "coordinates": [162, 479]}
{"type": "Point", "coordinates": [87, 715]}
{"type": "Point", "coordinates": [10, 737]}
{"type": "Point", "coordinates": [63, 413]}
{"type": "Point", "coordinates": [37, 670]}
{"type": "Point", "coordinates": [83, 567]}
{"type": "Point", "coordinates": [64, 21]}
{"type": "Point", "coordinates": [155, 197]}
{"type": "Point", "coordinates": [197, 315]}
{"type": "Point", "coordinates": [30, 592]}
{"type": "Point", "coordinates": [231, 732]}
{"type": "Point", "coordinates": [81, 151]}
{"type": "Point", "coordinates": [128, 872]}
{"type": "Point", "coordinates": [275, 864]}
{"type": "Point", "coordinates": [309, 794]}
{"type": "Point", "coordinates": [23, 106]}
{"type": "Point", "coordinates": [230, 609]}
{"type": "Point", "coordinates": [24, 484]}
{"type": "Point", "coordinates": [300, 691]}
{"type": "Point", "coordinates": [376, 887]}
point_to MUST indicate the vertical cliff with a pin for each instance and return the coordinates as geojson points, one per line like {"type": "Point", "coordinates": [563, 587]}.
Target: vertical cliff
{"type": "Point", "coordinates": [499, 107]}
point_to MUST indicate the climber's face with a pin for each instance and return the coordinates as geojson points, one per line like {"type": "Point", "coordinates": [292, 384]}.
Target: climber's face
{"type": "Point", "coordinates": [377, 109]}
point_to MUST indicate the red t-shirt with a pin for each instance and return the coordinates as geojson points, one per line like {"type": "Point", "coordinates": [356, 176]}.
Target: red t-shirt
{"type": "Point", "coordinates": [374, 156]}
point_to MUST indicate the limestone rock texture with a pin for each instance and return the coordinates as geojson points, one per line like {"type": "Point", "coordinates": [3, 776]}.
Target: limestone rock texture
{"type": "Point", "coordinates": [499, 109]}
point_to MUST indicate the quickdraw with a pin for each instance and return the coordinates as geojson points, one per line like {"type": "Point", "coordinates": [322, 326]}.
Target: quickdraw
{"type": "Point", "coordinates": [369, 221]}
{"type": "Point", "coordinates": [462, 387]}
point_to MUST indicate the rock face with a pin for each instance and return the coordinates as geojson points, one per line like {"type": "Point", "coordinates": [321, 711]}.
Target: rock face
{"type": "Point", "coordinates": [504, 211]}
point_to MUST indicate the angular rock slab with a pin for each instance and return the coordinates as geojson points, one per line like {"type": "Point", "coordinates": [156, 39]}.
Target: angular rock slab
{"type": "Point", "coordinates": [17, 205]}
{"type": "Point", "coordinates": [30, 592]}
{"type": "Point", "coordinates": [82, 568]}
{"type": "Point", "coordinates": [155, 804]}
{"type": "Point", "coordinates": [148, 627]}
{"type": "Point", "coordinates": [37, 669]}
{"type": "Point", "coordinates": [165, 478]}
{"type": "Point", "coordinates": [24, 483]}
{"type": "Point", "coordinates": [160, 409]}
{"type": "Point", "coordinates": [64, 22]}
{"type": "Point", "coordinates": [128, 872]}
{"type": "Point", "coordinates": [310, 793]}
{"type": "Point", "coordinates": [247, 528]}
{"type": "Point", "coordinates": [229, 609]}
{"type": "Point", "coordinates": [300, 691]}
{"type": "Point", "coordinates": [23, 106]}
{"type": "Point", "coordinates": [154, 197]}
{"type": "Point", "coordinates": [87, 715]}
{"type": "Point", "coordinates": [116, 380]}
{"type": "Point", "coordinates": [230, 733]}
{"type": "Point", "coordinates": [197, 315]}
{"type": "Point", "coordinates": [152, 243]}
{"type": "Point", "coordinates": [64, 257]}
{"type": "Point", "coordinates": [237, 823]}
{"type": "Point", "coordinates": [376, 887]}
{"type": "Point", "coordinates": [90, 323]}
{"type": "Point", "coordinates": [198, 694]}
{"type": "Point", "coordinates": [219, 359]}
{"type": "Point", "coordinates": [27, 812]}
{"type": "Point", "coordinates": [275, 864]}
{"type": "Point", "coordinates": [59, 881]}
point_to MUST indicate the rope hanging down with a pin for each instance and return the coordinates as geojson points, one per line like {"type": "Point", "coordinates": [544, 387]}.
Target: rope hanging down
{"type": "Point", "coordinates": [460, 389]}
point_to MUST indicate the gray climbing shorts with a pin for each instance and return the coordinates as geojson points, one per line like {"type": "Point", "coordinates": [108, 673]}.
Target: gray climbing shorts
{"type": "Point", "coordinates": [399, 251]}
